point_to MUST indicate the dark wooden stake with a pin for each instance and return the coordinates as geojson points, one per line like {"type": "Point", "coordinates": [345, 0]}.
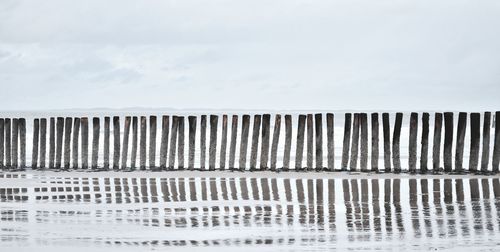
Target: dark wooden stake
{"type": "Point", "coordinates": [15, 143]}
{"type": "Point", "coordinates": [412, 148]}
{"type": "Point", "coordinates": [346, 142]}
{"type": "Point", "coordinates": [363, 161]}
{"type": "Point", "coordinates": [310, 140]}
{"type": "Point", "coordinates": [165, 127]}
{"type": "Point", "coordinates": [299, 151]}
{"type": "Point", "coordinates": [212, 151]}
{"type": "Point", "coordinates": [76, 133]}
{"type": "Point", "coordinates": [8, 141]}
{"type": "Point", "coordinates": [475, 135]}
{"type": "Point", "coordinates": [152, 142]}
{"type": "Point", "coordinates": [192, 141]}
{"type": "Point", "coordinates": [318, 126]}
{"type": "Point", "coordinates": [459, 149]}
{"type": "Point", "coordinates": [448, 141]}
{"type": "Point", "coordinates": [116, 141]}
{"type": "Point", "coordinates": [288, 142]}
{"type": "Point", "coordinates": [133, 153]}
{"type": "Point", "coordinates": [244, 141]}
{"type": "Point", "coordinates": [43, 141]}
{"type": "Point", "coordinates": [203, 141]}
{"type": "Point", "coordinates": [396, 160]}
{"type": "Point", "coordinates": [2, 142]}
{"type": "Point", "coordinates": [266, 138]}
{"type": "Point", "coordinates": [95, 141]}
{"type": "Point", "coordinates": [436, 145]}
{"type": "Point", "coordinates": [126, 133]}
{"type": "Point", "coordinates": [485, 157]}
{"type": "Point", "coordinates": [173, 142]}
{"type": "Point", "coordinates": [424, 151]}
{"type": "Point", "coordinates": [223, 144]}
{"type": "Point", "coordinates": [496, 146]}
{"type": "Point", "coordinates": [232, 146]}
{"type": "Point", "coordinates": [68, 126]}
{"type": "Point", "coordinates": [180, 143]}
{"type": "Point", "coordinates": [330, 145]}
{"type": "Point", "coordinates": [107, 132]}
{"type": "Point", "coordinates": [375, 142]}
{"type": "Point", "coordinates": [275, 141]}
{"type": "Point", "coordinates": [22, 142]}
{"type": "Point", "coordinates": [355, 143]}
{"type": "Point", "coordinates": [85, 142]}
{"type": "Point", "coordinates": [142, 143]}
{"type": "Point", "coordinates": [59, 141]}
{"type": "Point", "coordinates": [386, 127]}
{"type": "Point", "coordinates": [255, 141]}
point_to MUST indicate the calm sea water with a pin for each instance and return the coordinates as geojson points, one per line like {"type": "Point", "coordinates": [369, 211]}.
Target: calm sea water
{"type": "Point", "coordinates": [81, 211]}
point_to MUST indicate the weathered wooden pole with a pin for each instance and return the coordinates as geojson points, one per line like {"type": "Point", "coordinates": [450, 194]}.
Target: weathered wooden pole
{"type": "Point", "coordinates": [496, 146]}
{"type": "Point", "coordinates": [232, 145]}
{"type": "Point", "coordinates": [68, 126]}
{"type": "Point", "coordinates": [223, 144]}
{"type": "Point", "coordinates": [85, 142]}
{"type": "Point", "coordinates": [36, 136]}
{"type": "Point", "coordinates": [164, 140]}
{"type": "Point", "coordinates": [2, 142]}
{"type": "Point", "coordinates": [43, 141]}
{"type": "Point", "coordinates": [203, 141]}
{"type": "Point", "coordinates": [275, 141]}
{"type": "Point", "coordinates": [107, 132]}
{"type": "Point", "coordinates": [386, 127]}
{"type": "Point", "coordinates": [448, 141]}
{"type": "Point", "coordinates": [76, 133]}
{"type": "Point", "coordinates": [22, 142]}
{"type": "Point", "coordinates": [191, 141]}
{"type": "Point", "coordinates": [173, 142]}
{"type": "Point", "coordinates": [485, 157]}
{"type": "Point", "coordinates": [96, 129]}
{"type": "Point", "coordinates": [8, 141]}
{"type": "Point", "coordinates": [363, 161]}
{"type": "Point", "coordinates": [355, 143]}
{"type": "Point", "coordinates": [133, 153]}
{"type": "Point", "coordinates": [180, 143]}
{"type": "Point", "coordinates": [299, 151]}
{"type": "Point", "coordinates": [318, 126]}
{"type": "Point", "coordinates": [396, 160]}
{"type": "Point", "coordinates": [424, 151]}
{"type": "Point", "coordinates": [15, 143]}
{"type": "Point", "coordinates": [309, 142]}
{"type": "Point", "coordinates": [142, 144]}
{"type": "Point", "coordinates": [436, 145]}
{"type": "Point", "coordinates": [255, 141]}
{"type": "Point", "coordinates": [375, 142]}
{"type": "Point", "coordinates": [346, 142]}
{"type": "Point", "coordinates": [212, 150]}
{"type": "Point", "coordinates": [459, 149]}
{"type": "Point", "coordinates": [245, 128]}
{"type": "Point", "coordinates": [152, 142]}
{"type": "Point", "coordinates": [330, 145]}
{"type": "Point", "coordinates": [59, 141]}
{"type": "Point", "coordinates": [475, 134]}
{"type": "Point", "coordinates": [126, 133]}
{"type": "Point", "coordinates": [412, 148]}
{"type": "Point", "coordinates": [52, 142]}
{"type": "Point", "coordinates": [116, 141]}
{"type": "Point", "coordinates": [266, 138]}
{"type": "Point", "coordinates": [288, 142]}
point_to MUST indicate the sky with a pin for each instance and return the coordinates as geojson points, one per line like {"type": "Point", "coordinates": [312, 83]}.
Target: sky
{"type": "Point", "coordinates": [259, 54]}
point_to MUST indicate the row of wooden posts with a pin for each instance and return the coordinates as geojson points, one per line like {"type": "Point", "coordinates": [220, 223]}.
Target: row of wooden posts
{"type": "Point", "coordinates": [64, 134]}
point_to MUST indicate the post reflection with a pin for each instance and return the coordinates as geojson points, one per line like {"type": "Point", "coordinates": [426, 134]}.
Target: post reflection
{"type": "Point", "coordinates": [215, 211]}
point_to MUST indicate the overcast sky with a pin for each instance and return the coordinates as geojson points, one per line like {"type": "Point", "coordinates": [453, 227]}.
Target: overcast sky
{"type": "Point", "coordinates": [258, 54]}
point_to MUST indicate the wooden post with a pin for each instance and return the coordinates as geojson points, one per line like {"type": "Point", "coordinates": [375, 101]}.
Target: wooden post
{"type": "Point", "coordinates": [116, 141]}
{"type": "Point", "coordinates": [496, 146]}
{"type": "Point", "coordinates": [85, 142]}
{"type": "Point", "coordinates": [142, 144]}
{"type": "Point", "coordinates": [299, 151]}
{"type": "Point", "coordinates": [330, 145]}
{"type": "Point", "coordinates": [475, 134]}
{"type": "Point", "coordinates": [395, 142]}
{"type": "Point", "coordinates": [212, 151]}
{"type": "Point", "coordinates": [133, 153]}
{"type": "Point", "coordinates": [310, 140]}
{"type": "Point", "coordinates": [191, 141]}
{"type": "Point", "coordinates": [424, 151]}
{"type": "Point", "coordinates": [266, 138]}
{"type": "Point", "coordinates": [126, 133]}
{"type": "Point", "coordinates": [203, 141]}
{"type": "Point", "coordinates": [2, 142]}
{"type": "Point", "coordinates": [164, 141]}
{"type": "Point", "coordinates": [15, 143]}
{"type": "Point", "coordinates": [223, 144]}
{"type": "Point", "coordinates": [275, 141]}
{"type": "Point", "coordinates": [232, 146]}
{"type": "Point", "coordinates": [363, 161]}
{"type": "Point", "coordinates": [8, 141]}
{"type": "Point", "coordinates": [436, 148]}
{"type": "Point", "coordinates": [59, 141]}
{"type": "Point", "coordinates": [459, 149]}
{"type": "Point", "coordinates": [180, 143]}
{"type": "Point", "coordinates": [34, 153]}
{"type": "Point", "coordinates": [485, 157]}
{"type": "Point", "coordinates": [76, 133]}
{"type": "Point", "coordinates": [95, 141]}
{"type": "Point", "coordinates": [448, 140]}
{"type": "Point", "coordinates": [354, 143]}
{"type": "Point", "coordinates": [244, 142]}
{"type": "Point", "coordinates": [22, 142]}
{"type": "Point", "coordinates": [43, 141]}
{"type": "Point", "coordinates": [255, 141]}
{"type": "Point", "coordinates": [68, 126]}
{"type": "Point", "coordinates": [346, 142]}
{"type": "Point", "coordinates": [386, 127]}
{"type": "Point", "coordinates": [152, 142]}
{"type": "Point", "coordinates": [107, 132]}
{"type": "Point", "coordinates": [173, 142]}
{"type": "Point", "coordinates": [375, 142]}
{"type": "Point", "coordinates": [318, 123]}
{"type": "Point", "coordinates": [412, 155]}
{"type": "Point", "coordinates": [288, 142]}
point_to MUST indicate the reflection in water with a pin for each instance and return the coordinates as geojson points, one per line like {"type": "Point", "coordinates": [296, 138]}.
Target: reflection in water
{"type": "Point", "coordinates": [355, 213]}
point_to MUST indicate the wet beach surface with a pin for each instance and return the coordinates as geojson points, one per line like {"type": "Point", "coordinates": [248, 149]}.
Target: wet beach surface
{"type": "Point", "coordinates": [50, 211]}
